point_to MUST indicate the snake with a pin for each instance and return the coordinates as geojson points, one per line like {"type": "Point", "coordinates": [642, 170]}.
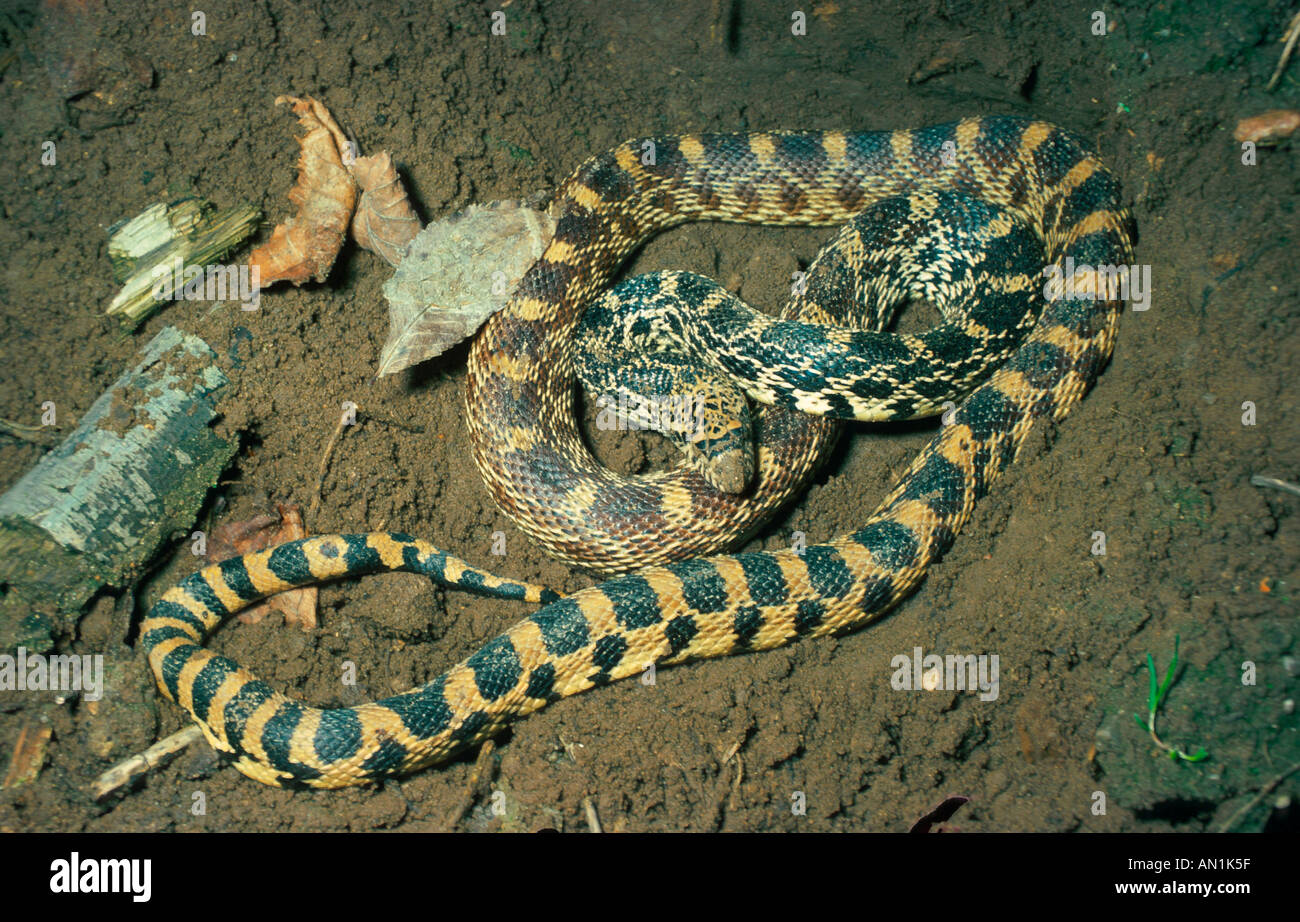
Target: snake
{"type": "Point", "coordinates": [527, 445]}
{"type": "Point", "coordinates": [677, 353]}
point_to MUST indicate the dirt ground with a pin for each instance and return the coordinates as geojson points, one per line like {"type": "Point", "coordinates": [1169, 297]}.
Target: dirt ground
{"type": "Point", "coordinates": [1157, 456]}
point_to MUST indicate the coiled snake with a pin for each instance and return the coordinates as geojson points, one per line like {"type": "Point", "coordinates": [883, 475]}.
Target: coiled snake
{"type": "Point", "coordinates": [678, 353]}
{"type": "Point", "coordinates": [528, 447]}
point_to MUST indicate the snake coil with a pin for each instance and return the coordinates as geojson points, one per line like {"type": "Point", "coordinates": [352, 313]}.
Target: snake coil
{"type": "Point", "coordinates": [527, 446]}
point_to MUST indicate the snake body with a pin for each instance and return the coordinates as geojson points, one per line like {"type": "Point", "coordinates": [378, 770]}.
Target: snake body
{"type": "Point", "coordinates": [676, 351]}
{"type": "Point", "coordinates": [528, 447]}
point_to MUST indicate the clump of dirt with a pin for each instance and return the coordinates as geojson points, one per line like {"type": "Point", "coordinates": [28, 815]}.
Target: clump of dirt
{"type": "Point", "coordinates": [1157, 460]}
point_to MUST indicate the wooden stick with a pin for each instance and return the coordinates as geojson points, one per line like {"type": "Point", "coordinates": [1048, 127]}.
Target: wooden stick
{"type": "Point", "coordinates": [1258, 481]}
{"type": "Point", "coordinates": [1264, 792]}
{"type": "Point", "coordinates": [28, 757]}
{"type": "Point", "coordinates": [1291, 36]}
{"type": "Point", "coordinates": [37, 435]}
{"type": "Point", "coordinates": [324, 468]}
{"type": "Point", "coordinates": [593, 821]}
{"type": "Point", "coordinates": [123, 773]}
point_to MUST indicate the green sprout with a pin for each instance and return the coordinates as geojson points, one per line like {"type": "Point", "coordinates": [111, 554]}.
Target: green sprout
{"type": "Point", "coordinates": [1154, 699]}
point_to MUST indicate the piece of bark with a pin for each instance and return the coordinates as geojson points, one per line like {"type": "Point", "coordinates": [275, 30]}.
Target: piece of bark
{"type": "Point", "coordinates": [93, 510]}
{"type": "Point", "coordinates": [304, 246]}
{"type": "Point", "coordinates": [164, 251]}
{"type": "Point", "coordinates": [385, 222]}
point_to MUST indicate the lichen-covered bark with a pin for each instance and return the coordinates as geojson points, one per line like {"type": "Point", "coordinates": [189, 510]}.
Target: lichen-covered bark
{"type": "Point", "coordinates": [93, 510]}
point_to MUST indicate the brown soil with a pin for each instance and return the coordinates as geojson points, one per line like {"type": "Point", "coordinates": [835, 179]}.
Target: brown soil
{"type": "Point", "coordinates": [1157, 456]}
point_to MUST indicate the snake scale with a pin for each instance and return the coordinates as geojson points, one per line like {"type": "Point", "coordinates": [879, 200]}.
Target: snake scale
{"type": "Point", "coordinates": [528, 447]}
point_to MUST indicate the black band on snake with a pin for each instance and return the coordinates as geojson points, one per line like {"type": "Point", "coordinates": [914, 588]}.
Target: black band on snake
{"type": "Point", "coordinates": [527, 445]}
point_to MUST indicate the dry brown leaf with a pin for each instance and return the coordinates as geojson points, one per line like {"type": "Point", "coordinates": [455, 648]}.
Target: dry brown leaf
{"type": "Point", "coordinates": [385, 222]}
{"type": "Point", "coordinates": [304, 246]}
{"type": "Point", "coordinates": [1268, 127]}
{"type": "Point", "coordinates": [234, 539]}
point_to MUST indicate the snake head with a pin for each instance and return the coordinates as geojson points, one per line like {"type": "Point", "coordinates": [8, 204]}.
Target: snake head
{"type": "Point", "coordinates": [720, 443]}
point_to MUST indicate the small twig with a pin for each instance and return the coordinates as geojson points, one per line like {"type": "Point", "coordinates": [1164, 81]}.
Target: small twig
{"type": "Point", "coordinates": [734, 753]}
{"type": "Point", "coordinates": [593, 821]}
{"type": "Point", "coordinates": [476, 776]}
{"type": "Point", "coordinates": [28, 757]}
{"type": "Point", "coordinates": [1258, 798]}
{"type": "Point", "coordinates": [1291, 36]}
{"type": "Point", "coordinates": [325, 466]}
{"type": "Point", "coordinates": [418, 430]}
{"type": "Point", "coordinates": [35, 434]}
{"type": "Point", "coordinates": [123, 773]}
{"type": "Point", "coordinates": [1257, 481]}
{"type": "Point", "coordinates": [735, 784]}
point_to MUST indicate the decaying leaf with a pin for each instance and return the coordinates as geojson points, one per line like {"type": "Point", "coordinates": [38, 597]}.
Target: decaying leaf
{"type": "Point", "coordinates": [456, 272]}
{"type": "Point", "coordinates": [28, 757]}
{"type": "Point", "coordinates": [234, 539]}
{"type": "Point", "coordinates": [385, 222]}
{"type": "Point", "coordinates": [304, 246]}
{"type": "Point", "coordinates": [1268, 127]}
